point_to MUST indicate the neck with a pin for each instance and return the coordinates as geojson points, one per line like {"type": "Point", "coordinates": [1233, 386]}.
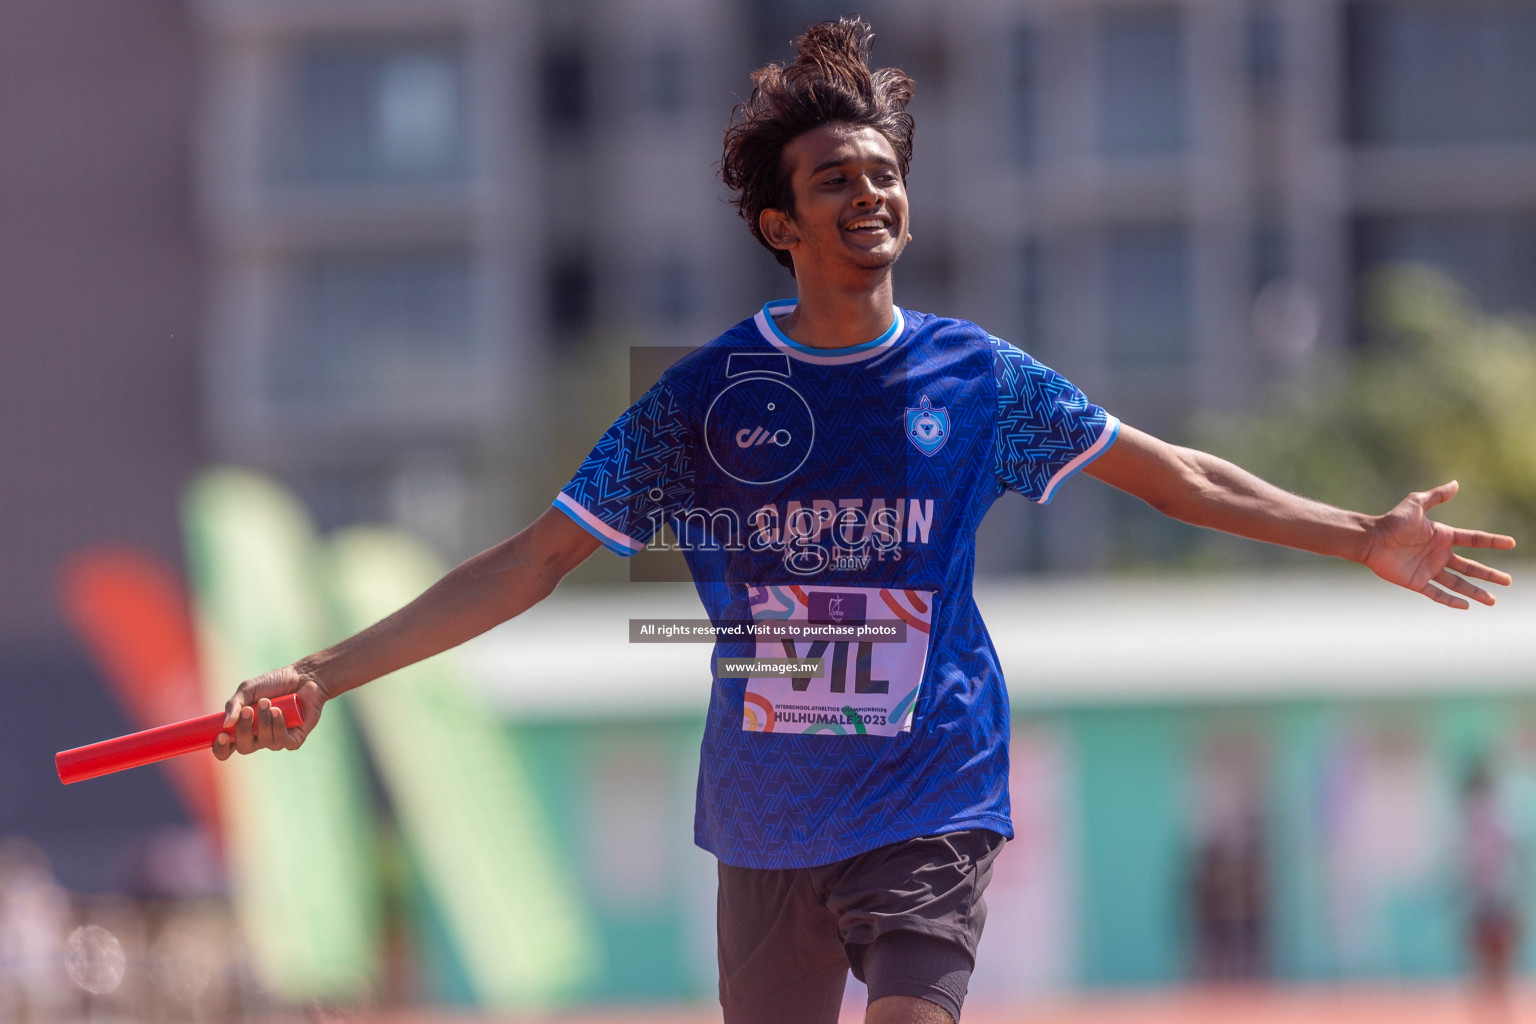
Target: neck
{"type": "Point", "coordinates": [833, 315]}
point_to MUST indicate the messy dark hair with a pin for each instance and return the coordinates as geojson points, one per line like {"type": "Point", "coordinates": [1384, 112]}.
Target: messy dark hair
{"type": "Point", "coordinates": [828, 81]}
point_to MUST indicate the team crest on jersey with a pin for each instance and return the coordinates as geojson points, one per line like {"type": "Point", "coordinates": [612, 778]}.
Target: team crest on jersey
{"type": "Point", "coordinates": [928, 426]}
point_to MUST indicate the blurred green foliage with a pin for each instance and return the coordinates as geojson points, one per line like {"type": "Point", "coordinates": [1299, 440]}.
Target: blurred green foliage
{"type": "Point", "coordinates": [1441, 391]}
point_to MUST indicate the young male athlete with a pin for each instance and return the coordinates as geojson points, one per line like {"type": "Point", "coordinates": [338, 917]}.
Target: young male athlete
{"type": "Point", "coordinates": [824, 465]}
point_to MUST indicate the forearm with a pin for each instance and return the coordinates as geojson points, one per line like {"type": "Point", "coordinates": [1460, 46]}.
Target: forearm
{"type": "Point", "coordinates": [484, 591]}
{"type": "Point", "coordinates": [1201, 489]}
{"type": "Point", "coordinates": [1403, 545]}
{"type": "Point", "coordinates": [1221, 496]}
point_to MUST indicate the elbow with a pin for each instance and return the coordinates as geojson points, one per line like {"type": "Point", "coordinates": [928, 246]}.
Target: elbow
{"type": "Point", "coordinates": [548, 578]}
{"type": "Point", "coordinates": [514, 576]}
{"type": "Point", "coordinates": [1188, 488]}
{"type": "Point", "coordinates": [556, 565]}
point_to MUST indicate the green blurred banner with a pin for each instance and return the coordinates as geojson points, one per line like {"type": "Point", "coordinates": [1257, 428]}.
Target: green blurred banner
{"type": "Point", "coordinates": [466, 808]}
{"type": "Point", "coordinates": [299, 831]}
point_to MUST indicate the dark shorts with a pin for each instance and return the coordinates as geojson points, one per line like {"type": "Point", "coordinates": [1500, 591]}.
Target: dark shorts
{"type": "Point", "coordinates": [905, 918]}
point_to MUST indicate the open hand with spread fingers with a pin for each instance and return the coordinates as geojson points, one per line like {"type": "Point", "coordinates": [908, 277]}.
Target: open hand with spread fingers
{"type": "Point", "coordinates": [1413, 551]}
{"type": "Point", "coordinates": [258, 725]}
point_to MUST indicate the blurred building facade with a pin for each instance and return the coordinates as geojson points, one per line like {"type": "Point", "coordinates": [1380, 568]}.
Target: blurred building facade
{"type": "Point", "coordinates": [415, 209]}
{"type": "Point", "coordinates": [1176, 203]}
{"type": "Point", "coordinates": [353, 243]}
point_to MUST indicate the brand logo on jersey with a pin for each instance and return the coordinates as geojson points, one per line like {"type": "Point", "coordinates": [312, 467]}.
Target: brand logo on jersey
{"type": "Point", "coordinates": [928, 426]}
{"type": "Point", "coordinates": [748, 438]}
{"type": "Point", "coordinates": [759, 430]}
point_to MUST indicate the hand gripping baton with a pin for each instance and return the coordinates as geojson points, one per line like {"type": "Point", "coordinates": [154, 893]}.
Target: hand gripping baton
{"type": "Point", "coordinates": [156, 744]}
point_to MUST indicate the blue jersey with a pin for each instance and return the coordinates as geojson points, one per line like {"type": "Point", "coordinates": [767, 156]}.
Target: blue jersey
{"type": "Point", "coordinates": [827, 502]}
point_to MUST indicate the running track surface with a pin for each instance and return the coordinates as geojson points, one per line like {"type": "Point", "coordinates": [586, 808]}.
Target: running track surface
{"type": "Point", "coordinates": [1424, 1005]}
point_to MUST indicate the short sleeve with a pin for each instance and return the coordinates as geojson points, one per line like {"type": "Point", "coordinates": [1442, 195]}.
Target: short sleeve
{"type": "Point", "coordinates": [1047, 429]}
{"type": "Point", "coordinates": [639, 473]}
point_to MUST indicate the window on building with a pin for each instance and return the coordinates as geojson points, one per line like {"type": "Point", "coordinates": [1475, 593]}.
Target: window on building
{"type": "Point", "coordinates": [570, 292]}
{"type": "Point", "coordinates": [1023, 91]}
{"type": "Point", "coordinates": [565, 90]}
{"type": "Point", "coordinates": [1141, 83]}
{"type": "Point", "coordinates": [339, 495]}
{"type": "Point", "coordinates": [1147, 296]}
{"type": "Point", "coordinates": [1265, 52]}
{"type": "Point", "coordinates": [363, 111]}
{"type": "Point", "coordinates": [1492, 255]}
{"type": "Point", "coordinates": [372, 328]}
{"type": "Point", "coordinates": [1425, 74]}
{"type": "Point", "coordinates": [1268, 252]}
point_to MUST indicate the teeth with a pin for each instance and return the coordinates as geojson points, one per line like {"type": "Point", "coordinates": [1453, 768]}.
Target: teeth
{"type": "Point", "coordinates": [866, 224]}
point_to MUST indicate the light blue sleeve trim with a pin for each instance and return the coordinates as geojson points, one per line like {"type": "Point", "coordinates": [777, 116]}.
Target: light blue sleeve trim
{"type": "Point", "coordinates": [576, 515]}
{"type": "Point", "coordinates": [1099, 447]}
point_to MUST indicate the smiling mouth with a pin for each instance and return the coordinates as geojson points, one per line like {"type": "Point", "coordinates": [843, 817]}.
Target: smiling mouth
{"type": "Point", "coordinates": [868, 226]}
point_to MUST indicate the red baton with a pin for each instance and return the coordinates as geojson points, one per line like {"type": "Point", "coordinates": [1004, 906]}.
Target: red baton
{"type": "Point", "coordinates": [156, 744]}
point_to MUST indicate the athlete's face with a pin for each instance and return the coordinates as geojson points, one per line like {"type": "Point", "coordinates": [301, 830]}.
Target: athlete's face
{"type": "Point", "coordinates": [850, 201]}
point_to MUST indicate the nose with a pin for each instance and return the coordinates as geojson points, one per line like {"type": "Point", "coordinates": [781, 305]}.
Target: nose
{"type": "Point", "coordinates": [868, 194]}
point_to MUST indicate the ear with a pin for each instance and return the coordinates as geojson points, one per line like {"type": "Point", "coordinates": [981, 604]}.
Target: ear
{"type": "Point", "coordinates": [778, 229]}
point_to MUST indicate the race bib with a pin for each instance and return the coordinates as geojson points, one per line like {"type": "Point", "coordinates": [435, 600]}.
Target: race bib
{"type": "Point", "coordinates": [871, 644]}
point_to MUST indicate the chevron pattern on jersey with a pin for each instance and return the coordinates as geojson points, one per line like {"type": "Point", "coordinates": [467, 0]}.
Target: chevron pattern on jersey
{"type": "Point", "coordinates": [781, 800]}
{"type": "Point", "coordinates": [1043, 422]}
{"type": "Point", "coordinates": [641, 471]}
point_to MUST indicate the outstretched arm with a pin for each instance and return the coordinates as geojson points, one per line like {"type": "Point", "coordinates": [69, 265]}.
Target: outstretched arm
{"type": "Point", "coordinates": [484, 591]}
{"type": "Point", "coordinates": [1404, 546]}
